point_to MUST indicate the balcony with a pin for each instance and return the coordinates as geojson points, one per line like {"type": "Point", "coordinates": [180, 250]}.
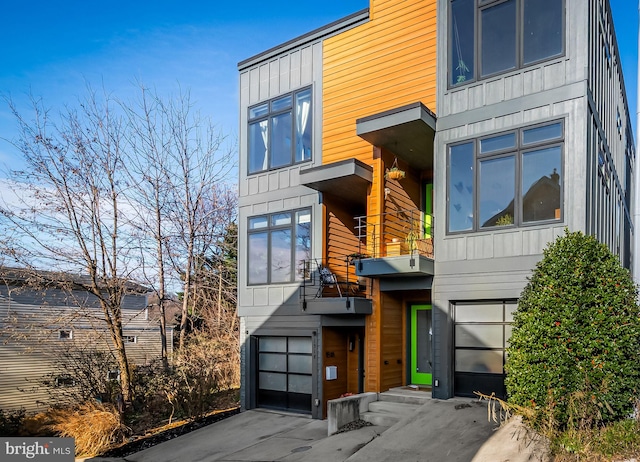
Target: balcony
{"type": "Point", "coordinates": [395, 244]}
{"type": "Point", "coordinates": [332, 287]}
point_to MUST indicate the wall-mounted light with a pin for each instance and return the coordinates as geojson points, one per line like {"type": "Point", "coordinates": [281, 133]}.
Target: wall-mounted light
{"type": "Point", "coordinates": [387, 191]}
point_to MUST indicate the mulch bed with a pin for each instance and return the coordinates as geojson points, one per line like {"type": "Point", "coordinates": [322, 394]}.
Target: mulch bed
{"type": "Point", "coordinates": [149, 441]}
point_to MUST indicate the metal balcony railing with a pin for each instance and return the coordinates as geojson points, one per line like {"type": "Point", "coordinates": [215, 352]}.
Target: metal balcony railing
{"type": "Point", "coordinates": [331, 277]}
{"type": "Point", "coordinates": [392, 234]}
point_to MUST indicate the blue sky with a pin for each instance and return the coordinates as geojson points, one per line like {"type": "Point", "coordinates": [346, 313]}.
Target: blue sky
{"type": "Point", "coordinates": [51, 48]}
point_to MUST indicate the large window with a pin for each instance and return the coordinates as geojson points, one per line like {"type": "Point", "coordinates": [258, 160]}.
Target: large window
{"type": "Point", "coordinates": [278, 244]}
{"type": "Point", "coordinates": [508, 179]}
{"type": "Point", "coordinates": [487, 37]}
{"type": "Point", "coordinates": [280, 132]}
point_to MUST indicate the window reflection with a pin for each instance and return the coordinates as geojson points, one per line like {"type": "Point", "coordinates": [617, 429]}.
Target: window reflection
{"type": "Point", "coordinates": [461, 187]}
{"type": "Point", "coordinates": [462, 41]}
{"type": "Point", "coordinates": [497, 191]}
{"type": "Point", "coordinates": [510, 34]}
{"type": "Point", "coordinates": [541, 184]}
{"type": "Point", "coordinates": [303, 125]}
{"type": "Point", "coordinates": [257, 249]}
{"type": "Point", "coordinates": [499, 38]}
{"type": "Point", "coordinates": [281, 256]}
{"type": "Point", "coordinates": [517, 179]}
{"type": "Point", "coordinates": [281, 140]}
{"type": "Point", "coordinates": [277, 243]}
{"type": "Point", "coordinates": [542, 36]}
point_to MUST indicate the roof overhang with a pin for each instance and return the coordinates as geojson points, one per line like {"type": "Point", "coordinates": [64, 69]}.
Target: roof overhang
{"type": "Point", "coordinates": [348, 180]}
{"type": "Point", "coordinates": [407, 131]}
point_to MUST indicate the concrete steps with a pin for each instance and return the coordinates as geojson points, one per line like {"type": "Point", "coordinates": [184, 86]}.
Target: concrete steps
{"type": "Point", "coordinates": [394, 405]}
{"type": "Point", "coordinates": [405, 395]}
{"type": "Point", "coordinates": [388, 413]}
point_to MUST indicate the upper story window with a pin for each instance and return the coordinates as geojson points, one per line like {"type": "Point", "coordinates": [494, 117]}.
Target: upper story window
{"type": "Point", "coordinates": [280, 132]}
{"type": "Point", "coordinates": [278, 246]}
{"type": "Point", "coordinates": [513, 178]}
{"type": "Point", "coordinates": [487, 37]}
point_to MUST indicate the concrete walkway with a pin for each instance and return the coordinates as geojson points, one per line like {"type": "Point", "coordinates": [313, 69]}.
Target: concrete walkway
{"type": "Point", "coordinates": [451, 430]}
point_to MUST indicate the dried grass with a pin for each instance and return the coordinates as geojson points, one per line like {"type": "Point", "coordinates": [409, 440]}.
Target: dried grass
{"type": "Point", "coordinates": [95, 427]}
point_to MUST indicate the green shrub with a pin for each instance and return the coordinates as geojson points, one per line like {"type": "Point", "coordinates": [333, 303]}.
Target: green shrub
{"type": "Point", "coordinates": [573, 354]}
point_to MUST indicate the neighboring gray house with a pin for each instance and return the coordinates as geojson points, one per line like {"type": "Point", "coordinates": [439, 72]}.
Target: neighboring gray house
{"type": "Point", "coordinates": [508, 122]}
{"type": "Point", "coordinates": [40, 323]}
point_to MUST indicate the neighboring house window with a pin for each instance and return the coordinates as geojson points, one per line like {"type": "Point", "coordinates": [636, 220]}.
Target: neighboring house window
{"type": "Point", "coordinates": [278, 246]}
{"type": "Point", "coordinates": [65, 334]}
{"type": "Point", "coordinates": [512, 178]}
{"type": "Point", "coordinates": [280, 132]}
{"type": "Point", "coordinates": [113, 375]}
{"type": "Point", "coordinates": [64, 381]}
{"type": "Point", "coordinates": [489, 37]}
{"type": "Point", "coordinates": [130, 339]}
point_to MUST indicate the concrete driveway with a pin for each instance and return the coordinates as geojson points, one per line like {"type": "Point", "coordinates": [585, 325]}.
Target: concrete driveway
{"type": "Point", "coordinates": [451, 430]}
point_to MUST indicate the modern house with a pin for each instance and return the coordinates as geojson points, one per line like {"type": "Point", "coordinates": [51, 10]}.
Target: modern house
{"type": "Point", "coordinates": [401, 172]}
{"type": "Point", "coordinates": [44, 324]}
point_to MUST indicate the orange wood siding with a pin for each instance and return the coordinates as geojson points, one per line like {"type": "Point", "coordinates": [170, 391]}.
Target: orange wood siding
{"type": "Point", "coordinates": [404, 195]}
{"type": "Point", "coordinates": [392, 342]}
{"type": "Point", "coordinates": [385, 340]}
{"type": "Point", "coordinates": [334, 353]}
{"type": "Point", "coordinates": [340, 238]}
{"type": "Point", "coordinates": [372, 342]}
{"type": "Point", "coordinates": [383, 64]}
{"type": "Point", "coordinates": [352, 361]}
{"type": "Point", "coordinates": [386, 63]}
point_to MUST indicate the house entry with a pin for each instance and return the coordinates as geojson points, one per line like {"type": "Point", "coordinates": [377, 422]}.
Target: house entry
{"type": "Point", "coordinates": [421, 348]}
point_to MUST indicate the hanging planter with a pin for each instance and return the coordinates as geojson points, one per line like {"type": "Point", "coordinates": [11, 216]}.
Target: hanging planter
{"type": "Point", "coordinates": [394, 173]}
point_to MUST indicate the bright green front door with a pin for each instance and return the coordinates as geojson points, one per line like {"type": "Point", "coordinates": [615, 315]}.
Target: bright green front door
{"type": "Point", "coordinates": [421, 355]}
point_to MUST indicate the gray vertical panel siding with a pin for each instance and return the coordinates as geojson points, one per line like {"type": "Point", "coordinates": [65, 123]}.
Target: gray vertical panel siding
{"type": "Point", "coordinates": [485, 245]}
{"type": "Point", "coordinates": [278, 190]}
{"type": "Point", "coordinates": [494, 264]}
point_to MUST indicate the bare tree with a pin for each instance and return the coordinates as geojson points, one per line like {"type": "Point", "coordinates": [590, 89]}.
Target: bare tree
{"type": "Point", "coordinates": [148, 162]}
{"type": "Point", "coordinates": [121, 191]}
{"type": "Point", "coordinates": [181, 171]}
{"type": "Point", "coordinates": [67, 215]}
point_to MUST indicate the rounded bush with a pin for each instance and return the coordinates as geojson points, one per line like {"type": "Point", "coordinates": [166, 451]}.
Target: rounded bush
{"type": "Point", "coordinates": [573, 353]}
